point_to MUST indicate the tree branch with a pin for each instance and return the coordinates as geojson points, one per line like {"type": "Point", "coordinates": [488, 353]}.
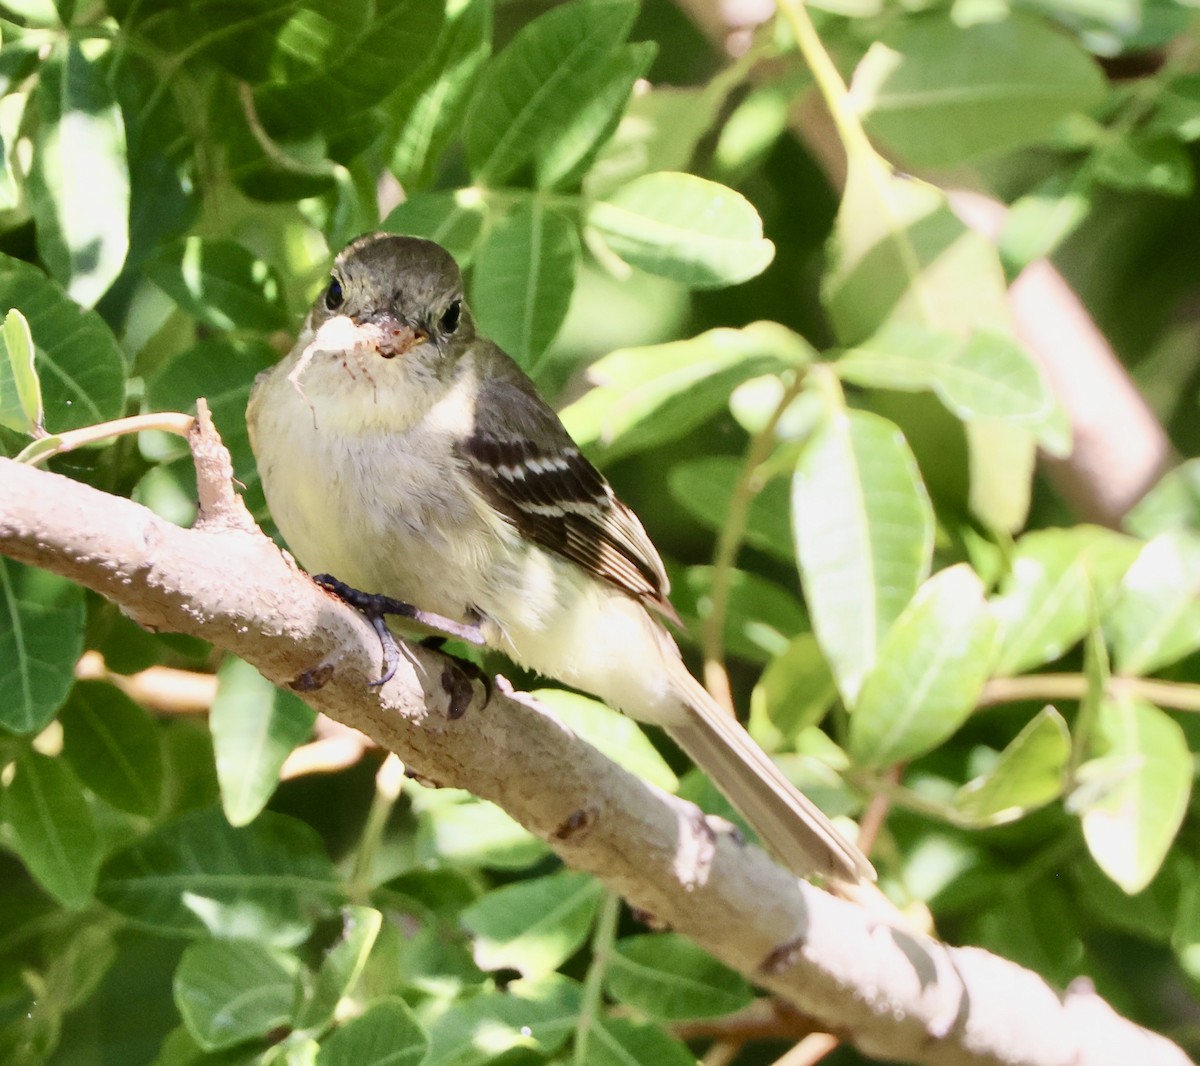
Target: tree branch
{"type": "Point", "coordinates": [892, 993]}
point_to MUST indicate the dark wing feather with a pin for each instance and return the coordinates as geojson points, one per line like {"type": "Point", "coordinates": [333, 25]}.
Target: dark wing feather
{"type": "Point", "coordinates": [531, 471]}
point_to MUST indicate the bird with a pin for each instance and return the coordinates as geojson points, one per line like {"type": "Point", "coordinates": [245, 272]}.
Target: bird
{"type": "Point", "coordinates": [408, 456]}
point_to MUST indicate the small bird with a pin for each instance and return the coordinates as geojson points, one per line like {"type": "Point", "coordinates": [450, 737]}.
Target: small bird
{"type": "Point", "coordinates": [408, 455]}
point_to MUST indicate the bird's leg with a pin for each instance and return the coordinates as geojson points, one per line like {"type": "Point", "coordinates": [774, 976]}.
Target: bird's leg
{"type": "Point", "coordinates": [375, 608]}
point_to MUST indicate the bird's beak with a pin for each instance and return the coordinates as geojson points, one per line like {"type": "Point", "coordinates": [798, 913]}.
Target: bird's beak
{"type": "Point", "coordinates": [390, 336]}
{"type": "Point", "coordinates": [399, 338]}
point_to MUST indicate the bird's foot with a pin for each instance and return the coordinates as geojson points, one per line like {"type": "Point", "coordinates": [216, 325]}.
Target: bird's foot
{"type": "Point", "coordinates": [376, 607]}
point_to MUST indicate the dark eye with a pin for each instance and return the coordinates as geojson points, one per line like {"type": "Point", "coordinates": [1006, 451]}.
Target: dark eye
{"type": "Point", "coordinates": [449, 320]}
{"type": "Point", "coordinates": [333, 295]}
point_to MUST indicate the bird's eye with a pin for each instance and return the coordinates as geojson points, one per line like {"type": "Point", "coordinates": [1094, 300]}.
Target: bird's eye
{"type": "Point", "coordinates": [333, 295]}
{"type": "Point", "coordinates": [449, 320]}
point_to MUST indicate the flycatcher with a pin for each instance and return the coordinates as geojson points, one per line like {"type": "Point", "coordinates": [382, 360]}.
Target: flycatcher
{"type": "Point", "coordinates": [409, 456]}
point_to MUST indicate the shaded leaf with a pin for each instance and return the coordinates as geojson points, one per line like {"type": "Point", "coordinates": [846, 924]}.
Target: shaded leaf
{"type": "Point", "coordinates": [341, 968]}
{"type": "Point", "coordinates": [538, 1015]}
{"type": "Point", "coordinates": [387, 1033]}
{"type": "Point", "coordinates": [113, 746]}
{"type": "Point", "coordinates": [78, 361]}
{"type": "Point", "coordinates": [266, 881]}
{"type": "Point", "coordinates": [625, 1042]}
{"type": "Point", "coordinates": [230, 991]}
{"type": "Point", "coordinates": [51, 827]}
{"type": "Point", "coordinates": [523, 279]}
{"type": "Point", "coordinates": [255, 727]}
{"type": "Point", "coordinates": [220, 283]}
{"type": "Point", "coordinates": [431, 104]}
{"type": "Point", "coordinates": [793, 693]}
{"type": "Point", "coordinates": [667, 976]}
{"type": "Point", "coordinates": [538, 84]}
{"type": "Point", "coordinates": [41, 639]}
{"type": "Point", "coordinates": [565, 153]}
{"type": "Point", "coordinates": [705, 486]}
{"type": "Point", "coordinates": [452, 219]}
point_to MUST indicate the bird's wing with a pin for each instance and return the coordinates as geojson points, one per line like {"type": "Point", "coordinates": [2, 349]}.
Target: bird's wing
{"type": "Point", "coordinates": [524, 462]}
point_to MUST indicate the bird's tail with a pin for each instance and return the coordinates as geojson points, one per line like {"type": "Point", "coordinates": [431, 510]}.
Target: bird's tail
{"type": "Point", "coordinates": [791, 826]}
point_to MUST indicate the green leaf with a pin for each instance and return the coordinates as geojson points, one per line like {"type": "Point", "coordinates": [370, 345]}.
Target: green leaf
{"type": "Point", "coordinates": [41, 639]}
{"type": "Point", "coordinates": [987, 375]}
{"type": "Point", "coordinates": [78, 361]}
{"type": "Point", "coordinates": [79, 184]}
{"type": "Point", "coordinates": [682, 227]}
{"type": "Point", "coordinates": [230, 991]}
{"type": "Point", "coordinates": [537, 86]}
{"type": "Point", "coordinates": [566, 152]}
{"type": "Point", "coordinates": [197, 873]}
{"type": "Point", "coordinates": [328, 61]}
{"type": "Point", "coordinates": [863, 528]}
{"type": "Point", "coordinates": [1155, 618]}
{"type": "Point", "coordinates": [221, 370]}
{"type": "Point", "coordinates": [761, 618]}
{"type": "Point", "coordinates": [616, 735]}
{"type": "Point", "coordinates": [341, 968]}
{"type": "Point", "coordinates": [523, 279]}
{"type": "Point", "coordinates": [387, 1033]}
{"type": "Point", "coordinates": [431, 104]}
{"type": "Point", "coordinates": [255, 727]}
{"type": "Point", "coordinates": [705, 486]}
{"type": "Point", "coordinates": [939, 93]}
{"type": "Point", "coordinates": [1029, 773]}
{"type": "Point", "coordinates": [667, 976]}
{"type": "Point", "coordinates": [1044, 604]}
{"type": "Point", "coordinates": [1134, 792]}
{"type": "Point", "coordinates": [899, 253]}
{"type": "Point", "coordinates": [113, 746]}
{"type": "Point", "coordinates": [1154, 163]}
{"type": "Point", "coordinates": [533, 926]}
{"type": "Point", "coordinates": [452, 219]}
{"type": "Point", "coordinates": [625, 1042]}
{"type": "Point", "coordinates": [793, 693]}
{"type": "Point", "coordinates": [1173, 503]}
{"type": "Point", "coordinates": [456, 828]}
{"type": "Point", "coordinates": [1042, 219]}
{"type": "Point", "coordinates": [647, 396]}
{"type": "Point", "coordinates": [538, 1015]}
{"type": "Point", "coordinates": [220, 283]}
{"type": "Point", "coordinates": [930, 671]}
{"type": "Point", "coordinates": [51, 827]}
{"type": "Point", "coordinates": [20, 390]}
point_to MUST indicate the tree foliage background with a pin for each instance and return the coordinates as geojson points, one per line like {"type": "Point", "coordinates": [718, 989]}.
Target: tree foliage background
{"type": "Point", "coordinates": [808, 383]}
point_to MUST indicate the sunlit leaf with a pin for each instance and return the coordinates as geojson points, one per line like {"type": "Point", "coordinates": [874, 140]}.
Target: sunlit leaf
{"type": "Point", "coordinates": [20, 390]}
{"type": "Point", "coordinates": [683, 227]}
{"type": "Point", "coordinates": [1134, 791]}
{"type": "Point", "coordinates": [930, 671]}
{"type": "Point", "coordinates": [863, 529]}
{"type": "Point", "coordinates": [1029, 773]}
{"type": "Point", "coordinates": [52, 828]}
